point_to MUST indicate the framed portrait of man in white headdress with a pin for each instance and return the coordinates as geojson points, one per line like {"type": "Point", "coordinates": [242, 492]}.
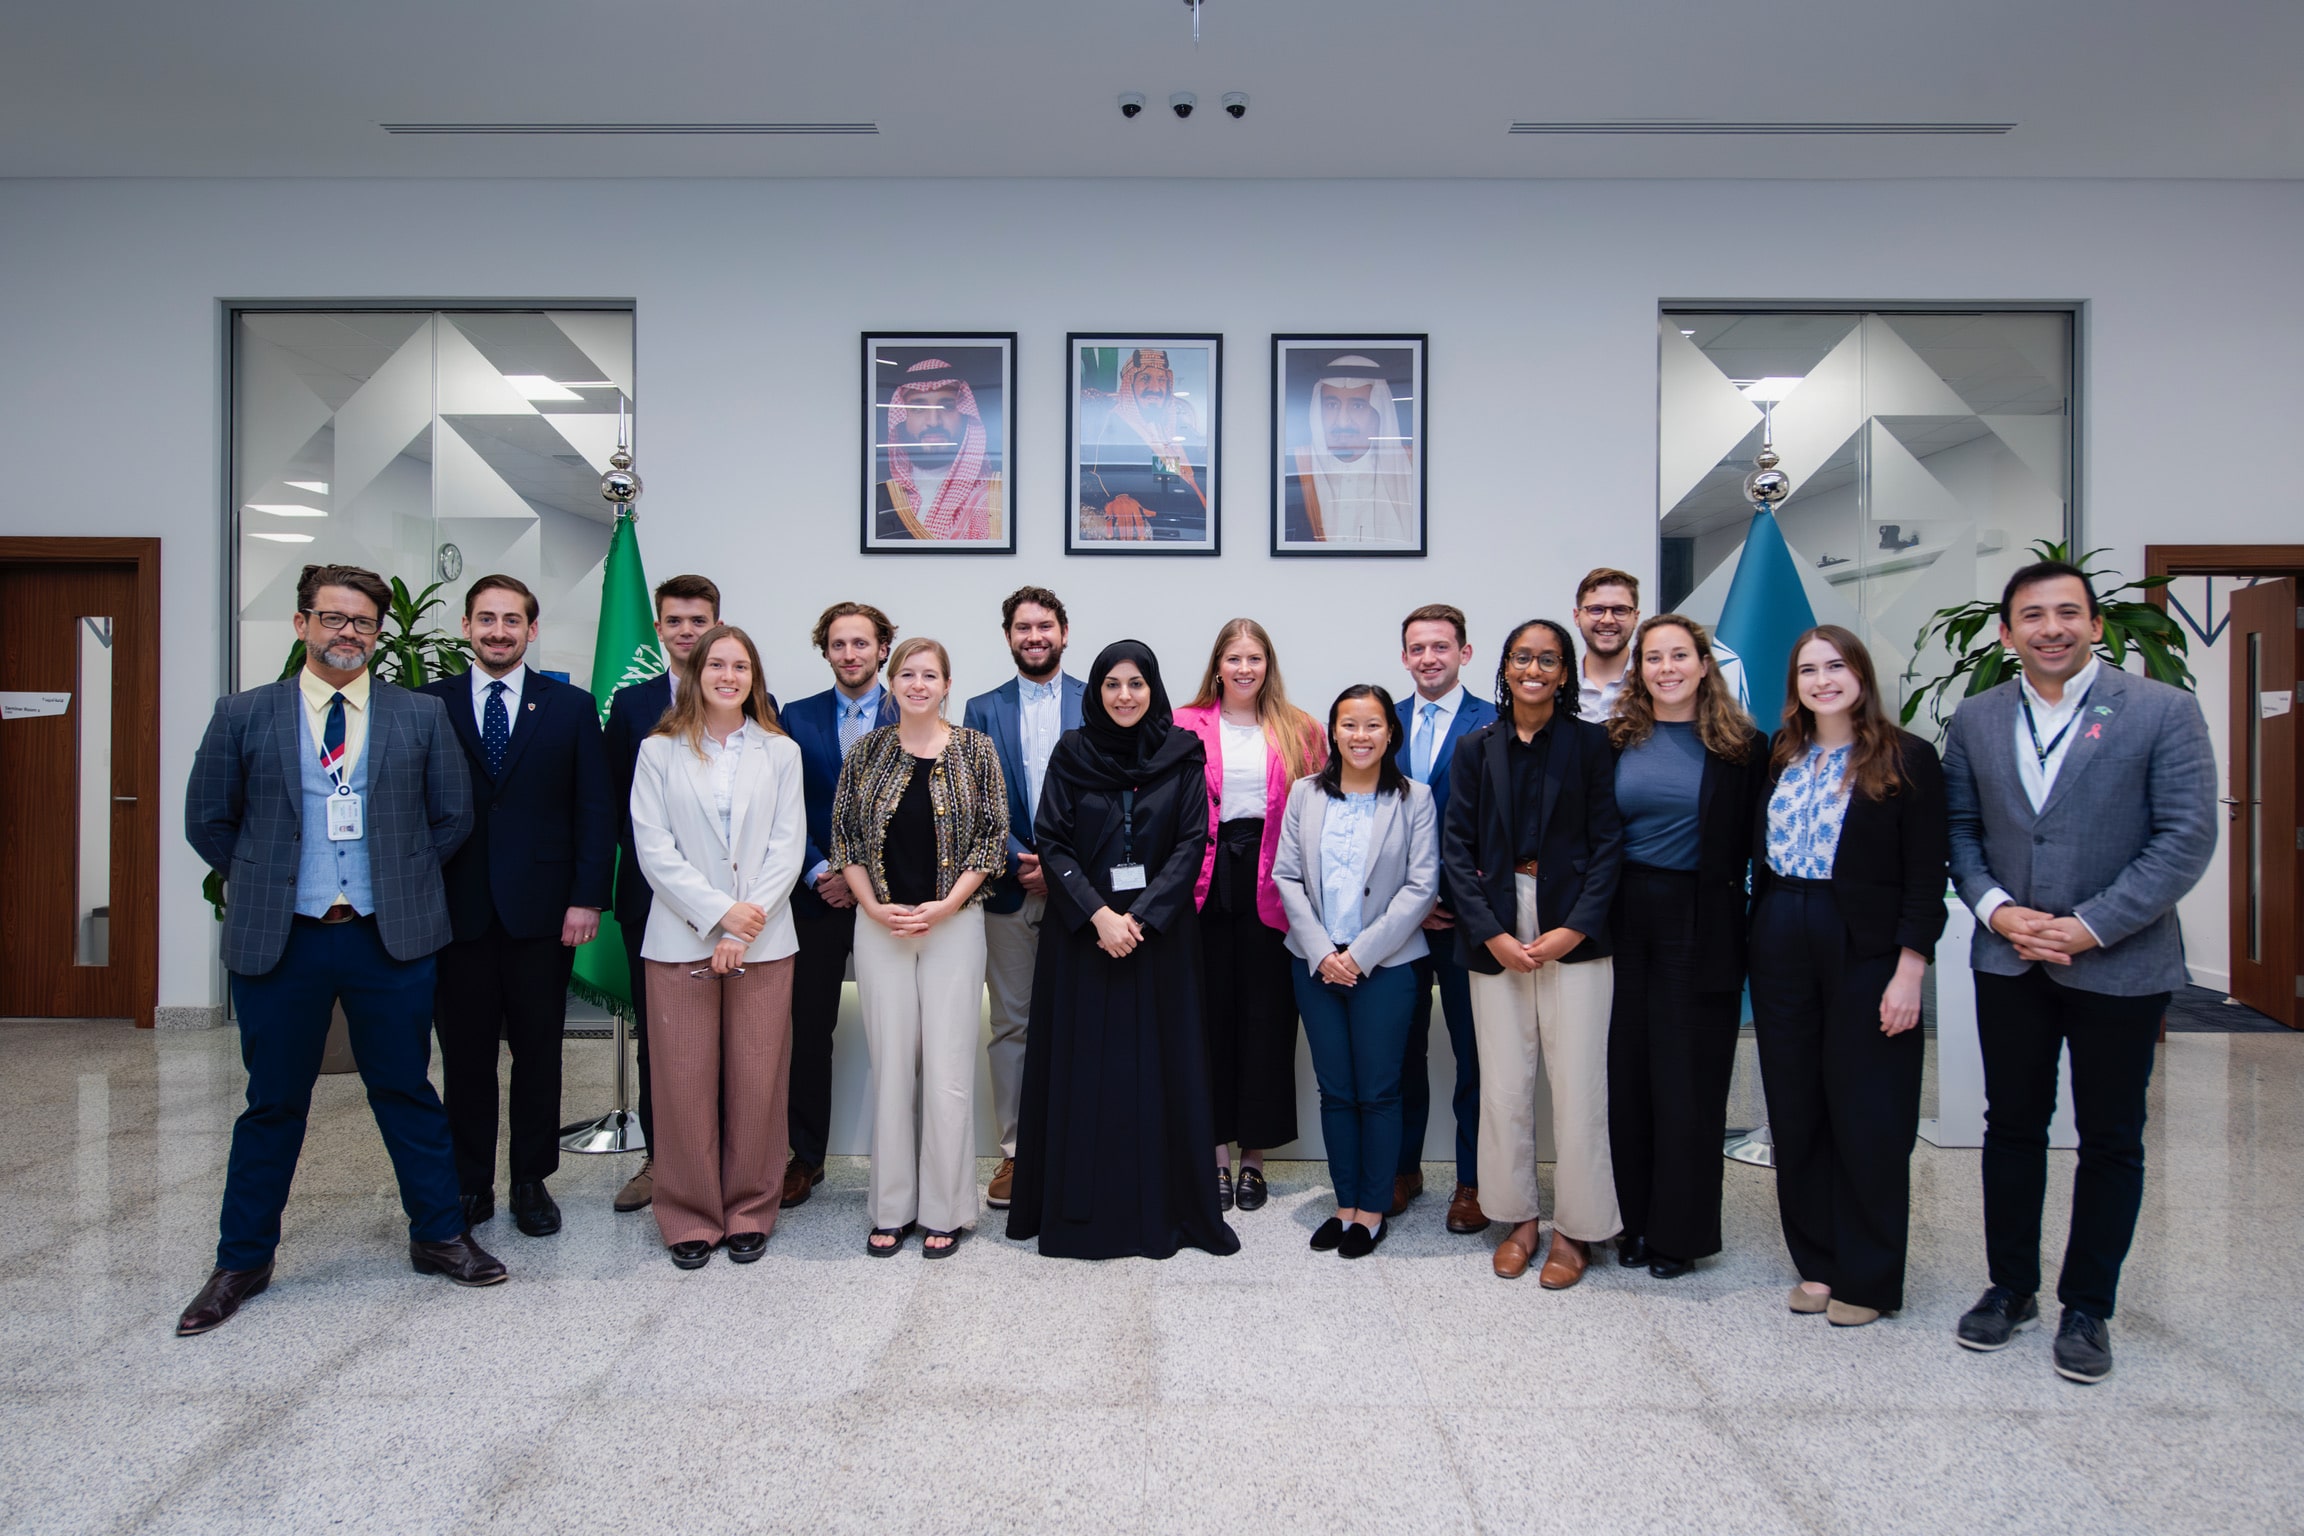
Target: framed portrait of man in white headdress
{"type": "Point", "coordinates": [1141, 439]}
{"type": "Point", "coordinates": [939, 443]}
{"type": "Point", "coordinates": [1348, 443]}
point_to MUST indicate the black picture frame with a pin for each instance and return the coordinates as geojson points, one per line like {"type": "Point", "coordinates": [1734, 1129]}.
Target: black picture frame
{"type": "Point", "coordinates": [981, 368]}
{"type": "Point", "coordinates": [1386, 527]}
{"type": "Point", "coordinates": [1173, 501]}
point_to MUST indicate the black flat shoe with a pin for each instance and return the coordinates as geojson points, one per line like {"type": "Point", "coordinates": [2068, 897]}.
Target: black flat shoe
{"type": "Point", "coordinates": [692, 1255]}
{"type": "Point", "coordinates": [533, 1210]}
{"type": "Point", "coordinates": [1663, 1267]}
{"type": "Point", "coordinates": [460, 1259]}
{"type": "Point", "coordinates": [1223, 1189]}
{"type": "Point", "coordinates": [887, 1251]}
{"type": "Point", "coordinates": [1328, 1235]}
{"type": "Point", "coordinates": [745, 1247]}
{"type": "Point", "coordinates": [1359, 1242]}
{"type": "Point", "coordinates": [1253, 1190]}
{"type": "Point", "coordinates": [1632, 1252]}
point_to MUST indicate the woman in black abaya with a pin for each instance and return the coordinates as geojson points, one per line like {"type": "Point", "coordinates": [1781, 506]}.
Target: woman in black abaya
{"type": "Point", "coordinates": [1113, 1134]}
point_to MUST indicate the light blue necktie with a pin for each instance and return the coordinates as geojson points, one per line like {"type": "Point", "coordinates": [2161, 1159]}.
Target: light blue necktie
{"type": "Point", "coordinates": [1420, 751]}
{"type": "Point", "coordinates": [851, 724]}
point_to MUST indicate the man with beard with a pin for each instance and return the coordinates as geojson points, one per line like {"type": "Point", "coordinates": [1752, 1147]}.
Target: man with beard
{"type": "Point", "coordinates": [937, 486]}
{"type": "Point", "coordinates": [1023, 716]}
{"type": "Point", "coordinates": [1354, 480]}
{"type": "Point", "coordinates": [1607, 613]}
{"type": "Point", "coordinates": [1140, 479]}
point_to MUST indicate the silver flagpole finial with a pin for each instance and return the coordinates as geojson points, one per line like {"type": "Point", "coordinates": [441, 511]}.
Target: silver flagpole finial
{"type": "Point", "coordinates": [620, 486]}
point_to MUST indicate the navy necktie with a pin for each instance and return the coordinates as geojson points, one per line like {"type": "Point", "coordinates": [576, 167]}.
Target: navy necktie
{"type": "Point", "coordinates": [495, 729]}
{"type": "Point", "coordinates": [332, 734]}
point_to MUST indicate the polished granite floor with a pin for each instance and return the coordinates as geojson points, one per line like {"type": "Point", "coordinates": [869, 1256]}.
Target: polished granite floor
{"type": "Point", "coordinates": [1278, 1390]}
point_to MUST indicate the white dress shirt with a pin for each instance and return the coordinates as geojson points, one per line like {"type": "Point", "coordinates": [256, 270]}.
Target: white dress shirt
{"type": "Point", "coordinates": [1246, 754]}
{"type": "Point", "coordinates": [1039, 721]}
{"type": "Point", "coordinates": [725, 758]}
{"type": "Point", "coordinates": [1595, 701]}
{"type": "Point", "coordinates": [480, 681]}
{"type": "Point", "coordinates": [2053, 723]}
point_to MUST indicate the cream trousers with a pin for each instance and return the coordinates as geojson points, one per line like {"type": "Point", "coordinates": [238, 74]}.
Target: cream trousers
{"type": "Point", "coordinates": [919, 1001]}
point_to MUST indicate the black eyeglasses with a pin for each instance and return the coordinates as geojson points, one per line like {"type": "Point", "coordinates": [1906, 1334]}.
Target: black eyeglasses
{"type": "Point", "coordinates": [334, 621]}
{"type": "Point", "coordinates": [1548, 660]}
{"type": "Point", "coordinates": [1609, 611]}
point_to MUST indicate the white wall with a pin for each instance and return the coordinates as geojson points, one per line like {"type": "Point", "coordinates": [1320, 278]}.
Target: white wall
{"type": "Point", "coordinates": [1540, 299]}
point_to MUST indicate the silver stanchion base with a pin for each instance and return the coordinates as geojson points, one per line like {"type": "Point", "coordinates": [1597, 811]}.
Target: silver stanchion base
{"type": "Point", "coordinates": [1755, 1146]}
{"type": "Point", "coordinates": [616, 1131]}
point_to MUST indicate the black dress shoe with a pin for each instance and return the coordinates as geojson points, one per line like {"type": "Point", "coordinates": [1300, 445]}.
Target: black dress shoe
{"type": "Point", "coordinates": [460, 1259]}
{"type": "Point", "coordinates": [1632, 1252]}
{"type": "Point", "coordinates": [1223, 1189]}
{"type": "Point", "coordinates": [744, 1247]}
{"type": "Point", "coordinates": [221, 1297]}
{"type": "Point", "coordinates": [1359, 1242]}
{"type": "Point", "coordinates": [1998, 1316]}
{"type": "Point", "coordinates": [2083, 1349]}
{"type": "Point", "coordinates": [477, 1208]}
{"type": "Point", "coordinates": [691, 1255]}
{"type": "Point", "coordinates": [1253, 1191]}
{"type": "Point", "coordinates": [533, 1211]}
{"type": "Point", "coordinates": [1328, 1234]}
{"type": "Point", "coordinates": [1665, 1267]}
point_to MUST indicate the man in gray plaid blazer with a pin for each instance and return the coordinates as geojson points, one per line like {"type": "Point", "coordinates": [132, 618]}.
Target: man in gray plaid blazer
{"type": "Point", "coordinates": [2082, 804]}
{"type": "Point", "coordinates": [328, 802]}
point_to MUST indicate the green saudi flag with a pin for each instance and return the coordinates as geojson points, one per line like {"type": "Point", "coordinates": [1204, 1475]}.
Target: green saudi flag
{"type": "Point", "coordinates": [624, 652]}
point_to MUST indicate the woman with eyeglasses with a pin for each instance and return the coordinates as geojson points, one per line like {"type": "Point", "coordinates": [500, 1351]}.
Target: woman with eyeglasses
{"type": "Point", "coordinates": [1532, 849]}
{"type": "Point", "coordinates": [719, 825]}
{"type": "Point", "coordinates": [919, 823]}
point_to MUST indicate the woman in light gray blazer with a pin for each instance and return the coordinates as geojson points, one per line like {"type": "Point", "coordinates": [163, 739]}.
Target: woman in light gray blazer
{"type": "Point", "coordinates": [1358, 871]}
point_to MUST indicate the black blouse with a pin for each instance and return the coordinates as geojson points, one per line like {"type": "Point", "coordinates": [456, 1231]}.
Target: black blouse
{"type": "Point", "coordinates": [910, 849]}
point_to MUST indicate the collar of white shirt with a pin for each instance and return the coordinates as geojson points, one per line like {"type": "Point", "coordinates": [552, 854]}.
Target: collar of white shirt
{"type": "Point", "coordinates": [512, 682]}
{"type": "Point", "coordinates": [2074, 691]}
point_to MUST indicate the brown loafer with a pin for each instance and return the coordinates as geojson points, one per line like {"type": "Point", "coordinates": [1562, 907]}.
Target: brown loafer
{"type": "Point", "coordinates": [1405, 1187]}
{"type": "Point", "coordinates": [221, 1297]}
{"type": "Point", "coordinates": [799, 1179]}
{"type": "Point", "coordinates": [1464, 1214]}
{"type": "Point", "coordinates": [460, 1259]}
{"type": "Point", "coordinates": [1512, 1259]}
{"type": "Point", "coordinates": [1003, 1185]}
{"type": "Point", "coordinates": [1564, 1265]}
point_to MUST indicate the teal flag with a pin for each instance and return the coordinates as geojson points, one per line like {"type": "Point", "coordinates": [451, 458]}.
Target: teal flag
{"type": "Point", "coordinates": [1767, 609]}
{"type": "Point", "coordinates": [624, 652]}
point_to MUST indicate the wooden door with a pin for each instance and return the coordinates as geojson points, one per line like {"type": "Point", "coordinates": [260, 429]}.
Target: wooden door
{"type": "Point", "coordinates": [79, 771]}
{"type": "Point", "coordinates": [2262, 795]}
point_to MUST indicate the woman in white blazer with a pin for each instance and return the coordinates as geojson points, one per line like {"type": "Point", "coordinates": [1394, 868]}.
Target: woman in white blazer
{"type": "Point", "coordinates": [718, 822]}
{"type": "Point", "coordinates": [1358, 871]}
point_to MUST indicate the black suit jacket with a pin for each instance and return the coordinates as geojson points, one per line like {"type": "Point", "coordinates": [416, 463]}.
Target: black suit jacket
{"type": "Point", "coordinates": [544, 830]}
{"type": "Point", "coordinates": [1888, 874]}
{"type": "Point", "coordinates": [1580, 851]}
{"type": "Point", "coordinates": [1723, 859]}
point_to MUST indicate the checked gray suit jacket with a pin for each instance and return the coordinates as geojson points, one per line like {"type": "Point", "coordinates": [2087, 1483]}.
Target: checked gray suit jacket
{"type": "Point", "coordinates": [2126, 830]}
{"type": "Point", "coordinates": [243, 815]}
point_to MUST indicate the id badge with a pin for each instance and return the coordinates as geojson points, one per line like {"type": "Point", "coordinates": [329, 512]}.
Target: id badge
{"type": "Point", "coordinates": [1127, 877]}
{"type": "Point", "coordinates": [344, 820]}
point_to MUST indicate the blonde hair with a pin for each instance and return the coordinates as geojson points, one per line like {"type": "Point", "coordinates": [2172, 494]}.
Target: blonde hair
{"type": "Point", "coordinates": [1289, 731]}
{"type": "Point", "coordinates": [685, 719]}
{"type": "Point", "coordinates": [907, 649]}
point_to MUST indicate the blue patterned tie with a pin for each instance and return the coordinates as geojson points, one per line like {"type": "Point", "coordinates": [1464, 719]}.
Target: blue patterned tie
{"type": "Point", "coordinates": [851, 724]}
{"type": "Point", "coordinates": [495, 729]}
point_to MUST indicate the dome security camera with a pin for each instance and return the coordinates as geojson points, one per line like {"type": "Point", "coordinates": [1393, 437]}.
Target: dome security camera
{"type": "Point", "coordinates": [1236, 103]}
{"type": "Point", "coordinates": [1131, 103]}
{"type": "Point", "coordinates": [1182, 103]}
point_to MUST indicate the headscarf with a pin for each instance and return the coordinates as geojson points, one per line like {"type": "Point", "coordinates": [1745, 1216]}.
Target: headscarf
{"type": "Point", "coordinates": [1104, 754]}
{"type": "Point", "coordinates": [1370, 500]}
{"type": "Point", "coordinates": [963, 505]}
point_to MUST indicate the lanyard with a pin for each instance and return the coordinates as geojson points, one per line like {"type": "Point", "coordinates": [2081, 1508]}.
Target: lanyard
{"type": "Point", "coordinates": [332, 764]}
{"type": "Point", "coordinates": [1128, 826]}
{"type": "Point", "coordinates": [2041, 754]}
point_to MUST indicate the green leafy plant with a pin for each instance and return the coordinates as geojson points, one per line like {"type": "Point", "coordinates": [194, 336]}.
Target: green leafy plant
{"type": "Point", "coordinates": [1970, 634]}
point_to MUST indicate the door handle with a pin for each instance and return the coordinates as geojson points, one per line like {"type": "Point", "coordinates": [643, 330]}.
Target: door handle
{"type": "Point", "coordinates": [123, 799]}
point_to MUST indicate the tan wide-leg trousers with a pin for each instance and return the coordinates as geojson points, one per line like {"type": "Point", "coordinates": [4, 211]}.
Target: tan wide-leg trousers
{"type": "Point", "coordinates": [1011, 950]}
{"type": "Point", "coordinates": [1554, 1021]}
{"type": "Point", "coordinates": [720, 1059]}
{"type": "Point", "coordinates": [919, 1000]}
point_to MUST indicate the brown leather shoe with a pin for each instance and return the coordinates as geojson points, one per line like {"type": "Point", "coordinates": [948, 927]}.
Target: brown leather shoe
{"type": "Point", "coordinates": [460, 1259]}
{"type": "Point", "coordinates": [1405, 1187]}
{"type": "Point", "coordinates": [1564, 1265]}
{"type": "Point", "coordinates": [221, 1297]}
{"type": "Point", "coordinates": [1003, 1184]}
{"type": "Point", "coordinates": [1464, 1214]}
{"type": "Point", "coordinates": [799, 1179]}
{"type": "Point", "coordinates": [1512, 1259]}
{"type": "Point", "coordinates": [640, 1189]}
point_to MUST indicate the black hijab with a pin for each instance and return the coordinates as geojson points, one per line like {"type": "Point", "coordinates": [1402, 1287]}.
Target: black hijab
{"type": "Point", "coordinates": [1104, 754]}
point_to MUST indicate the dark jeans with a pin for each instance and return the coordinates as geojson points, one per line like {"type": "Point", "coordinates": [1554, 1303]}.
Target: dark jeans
{"type": "Point", "coordinates": [2023, 1023]}
{"type": "Point", "coordinates": [1843, 1098]}
{"type": "Point", "coordinates": [826, 938]}
{"type": "Point", "coordinates": [637, 969]}
{"type": "Point", "coordinates": [1439, 968]}
{"type": "Point", "coordinates": [1356, 1034]}
{"type": "Point", "coordinates": [284, 1016]}
{"type": "Point", "coordinates": [493, 988]}
{"type": "Point", "coordinates": [1671, 1052]}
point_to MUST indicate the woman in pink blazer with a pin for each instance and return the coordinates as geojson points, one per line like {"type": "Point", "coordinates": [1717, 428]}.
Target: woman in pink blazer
{"type": "Point", "coordinates": [1258, 744]}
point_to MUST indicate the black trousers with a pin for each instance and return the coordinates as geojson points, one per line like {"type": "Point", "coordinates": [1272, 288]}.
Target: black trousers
{"type": "Point", "coordinates": [637, 969]}
{"type": "Point", "coordinates": [1843, 1098]}
{"type": "Point", "coordinates": [2023, 1023]}
{"type": "Point", "coordinates": [1250, 1010]}
{"type": "Point", "coordinates": [1671, 1052]}
{"type": "Point", "coordinates": [816, 981]}
{"type": "Point", "coordinates": [491, 988]}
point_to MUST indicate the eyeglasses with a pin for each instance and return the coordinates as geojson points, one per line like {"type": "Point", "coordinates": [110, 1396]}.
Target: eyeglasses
{"type": "Point", "coordinates": [1548, 661]}
{"type": "Point", "coordinates": [1609, 611]}
{"type": "Point", "coordinates": [334, 621]}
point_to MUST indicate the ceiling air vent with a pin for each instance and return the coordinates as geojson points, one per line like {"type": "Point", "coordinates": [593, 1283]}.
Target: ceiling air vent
{"type": "Point", "coordinates": [637, 130]}
{"type": "Point", "coordinates": [1658, 127]}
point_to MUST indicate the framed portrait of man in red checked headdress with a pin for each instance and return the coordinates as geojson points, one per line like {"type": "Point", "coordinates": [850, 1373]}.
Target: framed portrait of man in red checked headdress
{"type": "Point", "coordinates": [939, 443]}
{"type": "Point", "coordinates": [1141, 444]}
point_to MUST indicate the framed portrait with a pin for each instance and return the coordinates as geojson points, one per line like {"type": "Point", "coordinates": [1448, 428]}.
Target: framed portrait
{"type": "Point", "coordinates": [939, 443]}
{"type": "Point", "coordinates": [1348, 445]}
{"type": "Point", "coordinates": [1141, 439]}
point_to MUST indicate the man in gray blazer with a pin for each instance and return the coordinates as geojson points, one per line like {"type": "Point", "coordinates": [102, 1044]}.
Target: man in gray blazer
{"type": "Point", "coordinates": [2082, 804]}
{"type": "Point", "coordinates": [328, 801]}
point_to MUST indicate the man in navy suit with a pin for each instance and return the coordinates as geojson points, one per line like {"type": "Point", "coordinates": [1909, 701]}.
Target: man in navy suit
{"type": "Point", "coordinates": [854, 639]}
{"type": "Point", "coordinates": [1023, 716]}
{"type": "Point", "coordinates": [1434, 648]}
{"type": "Point", "coordinates": [328, 801]}
{"type": "Point", "coordinates": [686, 606]}
{"type": "Point", "coordinates": [524, 890]}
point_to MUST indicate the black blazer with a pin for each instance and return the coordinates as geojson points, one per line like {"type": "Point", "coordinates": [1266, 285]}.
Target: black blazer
{"type": "Point", "coordinates": [1888, 874]}
{"type": "Point", "coordinates": [1723, 859]}
{"type": "Point", "coordinates": [544, 830]}
{"type": "Point", "coordinates": [1580, 852]}
{"type": "Point", "coordinates": [632, 717]}
{"type": "Point", "coordinates": [1078, 835]}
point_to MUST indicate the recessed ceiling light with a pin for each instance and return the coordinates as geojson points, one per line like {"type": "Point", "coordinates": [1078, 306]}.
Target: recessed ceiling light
{"type": "Point", "coordinates": [1775, 387]}
{"type": "Point", "coordinates": [535, 386]}
{"type": "Point", "coordinates": [283, 538]}
{"type": "Point", "coordinates": [316, 487]}
{"type": "Point", "coordinates": [283, 509]}
{"type": "Point", "coordinates": [1687, 333]}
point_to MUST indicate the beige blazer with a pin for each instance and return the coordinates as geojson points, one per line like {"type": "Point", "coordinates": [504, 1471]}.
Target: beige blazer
{"type": "Point", "coordinates": [697, 874]}
{"type": "Point", "coordinates": [1403, 881]}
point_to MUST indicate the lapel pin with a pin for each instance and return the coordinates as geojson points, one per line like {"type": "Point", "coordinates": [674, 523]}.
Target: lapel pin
{"type": "Point", "coordinates": [2096, 731]}
{"type": "Point", "coordinates": [531, 706]}
{"type": "Point", "coordinates": [2103, 709]}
